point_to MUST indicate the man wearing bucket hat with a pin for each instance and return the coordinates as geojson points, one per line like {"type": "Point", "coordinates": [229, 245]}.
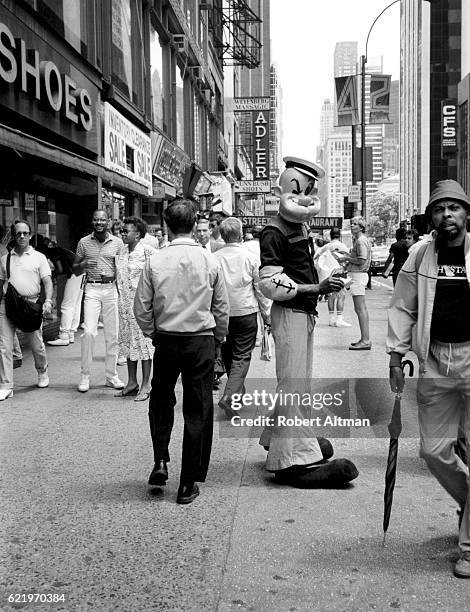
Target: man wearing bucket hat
{"type": "Point", "coordinates": [296, 456]}
{"type": "Point", "coordinates": [429, 314]}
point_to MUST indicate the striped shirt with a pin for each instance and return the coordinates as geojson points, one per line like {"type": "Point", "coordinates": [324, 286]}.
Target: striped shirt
{"type": "Point", "coordinates": [104, 253]}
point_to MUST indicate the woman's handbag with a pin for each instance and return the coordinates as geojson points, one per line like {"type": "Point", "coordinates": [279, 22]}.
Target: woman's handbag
{"type": "Point", "coordinates": [24, 314]}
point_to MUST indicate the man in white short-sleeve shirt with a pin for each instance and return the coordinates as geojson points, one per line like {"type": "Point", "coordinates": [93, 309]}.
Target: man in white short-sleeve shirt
{"type": "Point", "coordinates": [28, 269]}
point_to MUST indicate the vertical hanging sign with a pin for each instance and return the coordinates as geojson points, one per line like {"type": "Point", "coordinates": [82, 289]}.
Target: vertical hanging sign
{"type": "Point", "coordinates": [261, 144]}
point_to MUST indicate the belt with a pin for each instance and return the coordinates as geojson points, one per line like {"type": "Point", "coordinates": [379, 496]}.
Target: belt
{"type": "Point", "coordinates": [101, 282]}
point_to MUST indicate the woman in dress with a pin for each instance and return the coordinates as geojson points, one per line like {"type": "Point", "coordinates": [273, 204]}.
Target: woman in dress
{"type": "Point", "coordinates": [132, 343]}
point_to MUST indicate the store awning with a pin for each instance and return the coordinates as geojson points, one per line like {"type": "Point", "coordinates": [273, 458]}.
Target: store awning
{"type": "Point", "coordinates": [25, 143]}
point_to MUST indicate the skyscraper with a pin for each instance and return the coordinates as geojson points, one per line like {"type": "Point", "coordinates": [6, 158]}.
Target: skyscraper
{"type": "Point", "coordinates": [337, 141]}
{"type": "Point", "coordinates": [345, 58]}
{"type": "Point", "coordinates": [445, 63]}
{"type": "Point", "coordinates": [414, 107]}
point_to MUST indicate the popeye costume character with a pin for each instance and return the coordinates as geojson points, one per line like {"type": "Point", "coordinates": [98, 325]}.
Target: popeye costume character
{"type": "Point", "coordinates": [288, 277]}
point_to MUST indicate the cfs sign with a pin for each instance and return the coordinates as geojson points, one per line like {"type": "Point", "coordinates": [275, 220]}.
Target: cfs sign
{"type": "Point", "coordinates": [448, 128]}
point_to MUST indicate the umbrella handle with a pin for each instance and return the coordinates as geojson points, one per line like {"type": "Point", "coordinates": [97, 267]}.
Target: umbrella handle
{"type": "Point", "coordinates": [410, 365]}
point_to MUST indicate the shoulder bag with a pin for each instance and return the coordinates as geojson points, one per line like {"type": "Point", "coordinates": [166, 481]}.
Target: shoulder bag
{"type": "Point", "coordinates": [24, 314]}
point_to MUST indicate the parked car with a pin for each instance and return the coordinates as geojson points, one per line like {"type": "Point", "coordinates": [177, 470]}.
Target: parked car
{"type": "Point", "coordinates": [379, 255]}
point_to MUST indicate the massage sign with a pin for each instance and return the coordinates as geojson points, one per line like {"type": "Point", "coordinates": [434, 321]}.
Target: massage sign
{"type": "Point", "coordinates": [259, 109]}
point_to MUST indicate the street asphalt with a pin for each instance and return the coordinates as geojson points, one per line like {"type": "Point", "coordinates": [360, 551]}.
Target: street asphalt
{"type": "Point", "coordinates": [78, 520]}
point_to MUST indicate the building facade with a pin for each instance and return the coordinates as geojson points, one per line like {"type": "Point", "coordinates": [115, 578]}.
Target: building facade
{"type": "Point", "coordinates": [114, 104]}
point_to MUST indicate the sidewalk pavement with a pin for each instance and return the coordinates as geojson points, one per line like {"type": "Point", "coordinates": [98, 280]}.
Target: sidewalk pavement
{"type": "Point", "coordinates": [79, 520]}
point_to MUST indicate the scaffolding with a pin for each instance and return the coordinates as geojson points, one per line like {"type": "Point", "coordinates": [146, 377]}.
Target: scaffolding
{"type": "Point", "coordinates": [236, 33]}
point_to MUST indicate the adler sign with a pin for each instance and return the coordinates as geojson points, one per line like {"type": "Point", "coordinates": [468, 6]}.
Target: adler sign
{"type": "Point", "coordinates": [41, 80]}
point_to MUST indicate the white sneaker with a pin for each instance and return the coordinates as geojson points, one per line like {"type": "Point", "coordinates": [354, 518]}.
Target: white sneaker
{"type": "Point", "coordinates": [43, 380]}
{"type": "Point", "coordinates": [100, 325]}
{"type": "Point", "coordinates": [5, 394]}
{"type": "Point", "coordinates": [342, 323]}
{"type": "Point", "coordinates": [115, 382]}
{"type": "Point", "coordinates": [121, 361]}
{"type": "Point", "coordinates": [59, 342]}
{"type": "Point", "coordinates": [84, 383]}
{"type": "Point", "coordinates": [332, 322]}
{"type": "Point", "coordinates": [71, 337]}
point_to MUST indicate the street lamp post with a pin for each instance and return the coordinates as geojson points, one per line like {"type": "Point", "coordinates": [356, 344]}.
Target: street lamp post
{"type": "Point", "coordinates": [363, 113]}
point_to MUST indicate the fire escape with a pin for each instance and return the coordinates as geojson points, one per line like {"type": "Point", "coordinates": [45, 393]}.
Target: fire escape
{"type": "Point", "coordinates": [236, 33]}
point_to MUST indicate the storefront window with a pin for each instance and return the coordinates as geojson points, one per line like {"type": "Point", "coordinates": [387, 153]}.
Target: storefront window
{"type": "Point", "coordinates": [156, 71]}
{"type": "Point", "coordinates": [127, 48]}
{"type": "Point", "coordinates": [116, 204]}
{"type": "Point", "coordinates": [179, 109]}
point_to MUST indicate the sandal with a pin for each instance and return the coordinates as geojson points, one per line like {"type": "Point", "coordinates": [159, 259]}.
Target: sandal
{"type": "Point", "coordinates": [360, 346]}
{"type": "Point", "coordinates": [127, 393]}
{"type": "Point", "coordinates": [142, 396]}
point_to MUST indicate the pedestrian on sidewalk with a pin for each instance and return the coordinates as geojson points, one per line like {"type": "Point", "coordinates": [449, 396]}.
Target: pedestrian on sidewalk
{"type": "Point", "coordinates": [253, 246]}
{"type": "Point", "coordinates": [398, 254]}
{"type": "Point", "coordinates": [411, 238]}
{"type": "Point", "coordinates": [429, 315]}
{"type": "Point", "coordinates": [335, 300]}
{"type": "Point", "coordinates": [96, 256]}
{"type": "Point", "coordinates": [28, 269]}
{"type": "Point", "coordinates": [289, 278]}
{"type": "Point", "coordinates": [241, 275]}
{"type": "Point", "coordinates": [358, 261]}
{"type": "Point", "coordinates": [203, 236]}
{"type": "Point", "coordinates": [17, 352]}
{"type": "Point", "coordinates": [161, 236]}
{"type": "Point", "coordinates": [133, 345]}
{"type": "Point", "coordinates": [181, 303]}
{"type": "Point", "coordinates": [216, 241]}
{"type": "Point", "coordinates": [71, 305]}
{"type": "Point", "coordinates": [203, 233]}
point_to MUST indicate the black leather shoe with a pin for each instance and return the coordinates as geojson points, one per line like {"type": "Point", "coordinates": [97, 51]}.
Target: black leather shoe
{"type": "Point", "coordinates": [159, 474]}
{"type": "Point", "coordinates": [17, 363]}
{"type": "Point", "coordinates": [187, 493]}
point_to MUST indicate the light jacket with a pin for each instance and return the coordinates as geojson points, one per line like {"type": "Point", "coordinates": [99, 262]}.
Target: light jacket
{"type": "Point", "coordinates": [411, 306]}
{"type": "Point", "coordinates": [240, 270]}
{"type": "Point", "coordinates": [181, 291]}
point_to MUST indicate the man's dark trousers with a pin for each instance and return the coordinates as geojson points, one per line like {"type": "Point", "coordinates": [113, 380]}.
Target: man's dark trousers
{"type": "Point", "coordinates": [237, 350]}
{"type": "Point", "coordinates": [193, 357]}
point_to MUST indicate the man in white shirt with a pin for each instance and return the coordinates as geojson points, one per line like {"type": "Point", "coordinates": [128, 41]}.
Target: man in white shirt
{"type": "Point", "coordinates": [28, 269]}
{"type": "Point", "coordinates": [253, 244]}
{"type": "Point", "coordinates": [240, 271]}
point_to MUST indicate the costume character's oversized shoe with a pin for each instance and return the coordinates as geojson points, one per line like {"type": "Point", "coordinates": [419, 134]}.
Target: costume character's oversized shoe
{"type": "Point", "coordinates": [331, 474]}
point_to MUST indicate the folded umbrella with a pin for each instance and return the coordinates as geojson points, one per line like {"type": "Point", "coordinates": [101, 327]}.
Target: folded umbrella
{"type": "Point", "coordinates": [394, 429]}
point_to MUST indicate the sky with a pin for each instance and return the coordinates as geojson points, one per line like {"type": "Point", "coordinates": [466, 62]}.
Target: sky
{"type": "Point", "coordinates": [303, 38]}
